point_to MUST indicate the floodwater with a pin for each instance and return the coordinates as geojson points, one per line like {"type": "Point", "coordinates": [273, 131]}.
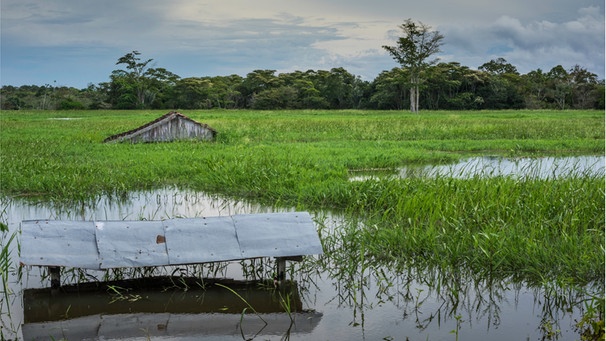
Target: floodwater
{"type": "Point", "coordinates": [487, 166]}
{"type": "Point", "coordinates": [330, 301]}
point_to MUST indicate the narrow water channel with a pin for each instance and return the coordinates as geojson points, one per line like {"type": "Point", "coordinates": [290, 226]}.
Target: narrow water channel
{"type": "Point", "coordinates": [334, 301]}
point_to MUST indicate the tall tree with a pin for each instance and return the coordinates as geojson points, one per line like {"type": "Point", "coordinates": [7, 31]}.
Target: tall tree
{"type": "Point", "coordinates": [413, 50]}
{"type": "Point", "coordinates": [389, 90]}
{"type": "Point", "coordinates": [498, 66]}
{"type": "Point", "coordinates": [583, 85]}
{"type": "Point", "coordinates": [535, 89]}
{"type": "Point", "coordinates": [257, 81]}
{"type": "Point", "coordinates": [504, 82]}
{"type": "Point", "coordinates": [138, 85]}
{"type": "Point", "coordinates": [560, 87]}
{"type": "Point", "coordinates": [133, 78]}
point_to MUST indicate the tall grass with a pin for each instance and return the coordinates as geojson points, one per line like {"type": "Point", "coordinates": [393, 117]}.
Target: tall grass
{"type": "Point", "coordinates": [8, 247]}
{"type": "Point", "coordinates": [535, 230]}
{"type": "Point", "coordinates": [530, 228]}
{"type": "Point", "coordinates": [43, 156]}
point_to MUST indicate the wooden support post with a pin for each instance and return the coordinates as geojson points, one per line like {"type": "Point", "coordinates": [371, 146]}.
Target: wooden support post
{"type": "Point", "coordinates": [280, 268]}
{"type": "Point", "coordinates": [55, 276]}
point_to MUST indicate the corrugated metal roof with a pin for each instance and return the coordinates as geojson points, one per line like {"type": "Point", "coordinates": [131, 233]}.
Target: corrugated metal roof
{"type": "Point", "coordinates": [116, 244]}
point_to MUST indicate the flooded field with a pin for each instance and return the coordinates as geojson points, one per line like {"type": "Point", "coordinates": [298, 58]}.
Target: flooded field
{"type": "Point", "coordinates": [324, 299]}
{"type": "Point", "coordinates": [541, 168]}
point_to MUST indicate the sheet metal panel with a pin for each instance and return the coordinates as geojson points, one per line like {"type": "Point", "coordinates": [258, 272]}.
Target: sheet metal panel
{"type": "Point", "coordinates": [56, 243]}
{"type": "Point", "coordinates": [131, 243]}
{"type": "Point", "coordinates": [277, 235]}
{"type": "Point", "coordinates": [201, 240]}
{"type": "Point", "coordinates": [116, 244]}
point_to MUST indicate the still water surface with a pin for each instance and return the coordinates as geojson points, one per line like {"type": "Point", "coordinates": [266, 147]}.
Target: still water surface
{"type": "Point", "coordinates": [541, 168]}
{"type": "Point", "coordinates": [337, 301]}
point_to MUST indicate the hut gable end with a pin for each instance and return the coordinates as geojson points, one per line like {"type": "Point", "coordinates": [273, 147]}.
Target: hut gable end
{"type": "Point", "coordinates": [169, 127]}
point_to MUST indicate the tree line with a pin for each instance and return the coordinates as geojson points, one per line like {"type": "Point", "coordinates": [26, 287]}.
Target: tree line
{"type": "Point", "coordinates": [446, 86]}
{"type": "Point", "coordinates": [417, 83]}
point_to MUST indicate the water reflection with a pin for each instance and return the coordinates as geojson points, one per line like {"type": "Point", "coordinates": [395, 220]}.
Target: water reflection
{"type": "Point", "coordinates": [358, 298]}
{"type": "Point", "coordinates": [396, 299]}
{"type": "Point", "coordinates": [540, 168]}
{"type": "Point", "coordinates": [165, 307]}
{"type": "Point", "coordinates": [158, 204]}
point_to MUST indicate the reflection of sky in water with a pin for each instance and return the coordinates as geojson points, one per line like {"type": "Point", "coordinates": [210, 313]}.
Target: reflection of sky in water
{"type": "Point", "coordinates": [542, 168]}
{"type": "Point", "coordinates": [159, 204]}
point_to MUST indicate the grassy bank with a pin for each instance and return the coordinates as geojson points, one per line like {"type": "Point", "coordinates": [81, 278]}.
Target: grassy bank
{"type": "Point", "coordinates": [528, 228]}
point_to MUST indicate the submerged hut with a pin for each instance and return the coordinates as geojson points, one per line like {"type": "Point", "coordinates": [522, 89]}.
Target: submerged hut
{"type": "Point", "coordinates": [170, 127]}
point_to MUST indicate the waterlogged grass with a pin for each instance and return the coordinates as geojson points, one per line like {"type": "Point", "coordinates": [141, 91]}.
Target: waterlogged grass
{"type": "Point", "coordinates": [8, 248]}
{"type": "Point", "coordinates": [532, 229]}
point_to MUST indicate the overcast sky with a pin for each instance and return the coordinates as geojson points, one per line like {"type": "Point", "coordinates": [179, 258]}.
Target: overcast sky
{"type": "Point", "coordinates": [77, 42]}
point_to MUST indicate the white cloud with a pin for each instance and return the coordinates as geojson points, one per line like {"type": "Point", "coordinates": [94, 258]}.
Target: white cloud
{"type": "Point", "coordinates": [198, 37]}
{"type": "Point", "coordinates": [534, 44]}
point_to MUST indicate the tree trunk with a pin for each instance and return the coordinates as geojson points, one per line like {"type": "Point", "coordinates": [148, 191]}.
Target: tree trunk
{"type": "Point", "coordinates": [413, 100]}
{"type": "Point", "coordinates": [414, 93]}
{"type": "Point", "coordinates": [140, 97]}
{"type": "Point", "coordinates": [417, 98]}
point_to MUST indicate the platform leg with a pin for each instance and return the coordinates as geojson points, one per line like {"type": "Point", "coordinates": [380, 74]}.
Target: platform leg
{"type": "Point", "coordinates": [55, 276]}
{"type": "Point", "coordinates": [280, 268]}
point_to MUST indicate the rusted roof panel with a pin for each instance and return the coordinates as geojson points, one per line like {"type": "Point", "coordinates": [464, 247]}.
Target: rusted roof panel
{"type": "Point", "coordinates": [55, 243]}
{"type": "Point", "coordinates": [116, 244]}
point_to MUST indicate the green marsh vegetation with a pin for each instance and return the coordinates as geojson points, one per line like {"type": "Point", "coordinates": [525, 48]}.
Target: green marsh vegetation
{"type": "Point", "coordinates": [535, 230]}
{"type": "Point", "coordinates": [8, 249]}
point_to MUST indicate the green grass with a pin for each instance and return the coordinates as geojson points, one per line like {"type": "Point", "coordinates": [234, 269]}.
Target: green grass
{"type": "Point", "coordinates": [64, 159]}
{"type": "Point", "coordinates": [533, 229]}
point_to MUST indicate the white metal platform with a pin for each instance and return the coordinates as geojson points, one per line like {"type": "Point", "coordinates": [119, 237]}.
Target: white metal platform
{"type": "Point", "coordinates": [116, 244]}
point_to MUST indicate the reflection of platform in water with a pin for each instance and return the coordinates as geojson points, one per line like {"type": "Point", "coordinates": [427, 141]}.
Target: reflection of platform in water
{"type": "Point", "coordinates": [141, 310]}
{"type": "Point", "coordinates": [171, 326]}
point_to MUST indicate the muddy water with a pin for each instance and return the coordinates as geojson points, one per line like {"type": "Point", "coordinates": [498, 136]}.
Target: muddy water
{"type": "Point", "coordinates": [333, 301]}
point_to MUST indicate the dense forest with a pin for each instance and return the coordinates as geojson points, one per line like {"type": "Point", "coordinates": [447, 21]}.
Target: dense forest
{"type": "Point", "coordinates": [446, 86]}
